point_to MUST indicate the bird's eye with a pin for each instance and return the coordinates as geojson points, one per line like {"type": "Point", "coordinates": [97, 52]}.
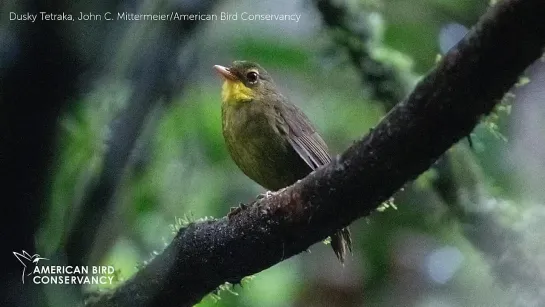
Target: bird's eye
{"type": "Point", "coordinates": [252, 77]}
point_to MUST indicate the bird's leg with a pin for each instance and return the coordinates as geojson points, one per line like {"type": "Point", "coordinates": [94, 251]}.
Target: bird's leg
{"type": "Point", "coordinates": [235, 210]}
{"type": "Point", "coordinates": [265, 195]}
{"type": "Point", "coordinates": [270, 193]}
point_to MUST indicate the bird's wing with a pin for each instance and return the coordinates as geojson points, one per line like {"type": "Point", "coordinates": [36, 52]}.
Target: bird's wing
{"type": "Point", "coordinates": [303, 137]}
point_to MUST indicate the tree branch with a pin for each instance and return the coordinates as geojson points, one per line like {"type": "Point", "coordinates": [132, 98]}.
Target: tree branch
{"type": "Point", "coordinates": [353, 33]}
{"type": "Point", "coordinates": [444, 107]}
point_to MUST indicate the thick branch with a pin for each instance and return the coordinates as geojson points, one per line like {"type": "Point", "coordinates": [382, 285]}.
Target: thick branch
{"type": "Point", "coordinates": [444, 107]}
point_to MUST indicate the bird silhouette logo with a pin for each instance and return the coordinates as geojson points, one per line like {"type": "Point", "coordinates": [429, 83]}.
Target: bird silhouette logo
{"type": "Point", "coordinates": [28, 261]}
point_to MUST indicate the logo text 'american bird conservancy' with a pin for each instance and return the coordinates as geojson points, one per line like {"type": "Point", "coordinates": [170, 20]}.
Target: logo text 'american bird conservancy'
{"type": "Point", "coordinates": [63, 274]}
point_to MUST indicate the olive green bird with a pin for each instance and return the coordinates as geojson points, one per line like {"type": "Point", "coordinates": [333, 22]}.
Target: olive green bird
{"type": "Point", "coordinates": [271, 140]}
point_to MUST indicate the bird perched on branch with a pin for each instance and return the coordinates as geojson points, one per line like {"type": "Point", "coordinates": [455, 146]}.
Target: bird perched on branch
{"type": "Point", "coordinates": [270, 139]}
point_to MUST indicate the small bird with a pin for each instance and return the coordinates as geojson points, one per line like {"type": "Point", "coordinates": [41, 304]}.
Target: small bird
{"type": "Point", "coordinates": [271, 140]}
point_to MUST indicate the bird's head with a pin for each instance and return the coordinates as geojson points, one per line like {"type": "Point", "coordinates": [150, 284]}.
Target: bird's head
{"type": "Point", "coordinates": [244, 82]}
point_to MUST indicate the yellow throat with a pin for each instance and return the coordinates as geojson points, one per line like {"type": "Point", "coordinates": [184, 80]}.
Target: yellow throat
{"type": "Point", "coordinates": [235, 92]}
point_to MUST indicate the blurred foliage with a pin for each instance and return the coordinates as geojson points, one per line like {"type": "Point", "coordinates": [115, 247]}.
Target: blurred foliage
{"type": "Point", "coordinates": [183, 167]}
{"type": "Point", "coordinates": [420, 21]}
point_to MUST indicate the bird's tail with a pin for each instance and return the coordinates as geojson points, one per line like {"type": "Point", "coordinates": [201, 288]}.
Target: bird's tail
{"type": "Point", "coordinates": [341, 242]}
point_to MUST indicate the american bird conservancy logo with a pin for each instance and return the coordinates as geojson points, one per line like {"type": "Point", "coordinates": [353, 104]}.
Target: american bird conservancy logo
{"type": "Point", "coordinates": [63, 274]}
{"type": "Point", "coordinates": [29, 262]}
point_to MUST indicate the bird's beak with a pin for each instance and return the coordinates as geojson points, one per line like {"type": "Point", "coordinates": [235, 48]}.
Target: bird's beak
{"type": "Point", "coordinates": [225, 73]}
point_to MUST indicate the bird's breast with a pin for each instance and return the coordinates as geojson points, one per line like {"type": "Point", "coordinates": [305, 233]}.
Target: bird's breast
{"type": "Point", "coordinates": [258, 148]}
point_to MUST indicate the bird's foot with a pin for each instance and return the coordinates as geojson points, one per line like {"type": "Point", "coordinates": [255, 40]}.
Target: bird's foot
{"type": "Point", "coordinates": [236, 210]}
{"type": "Point", "coordinates": [265, 195]}
{"type": "Point", "coordinates": [269, 194]}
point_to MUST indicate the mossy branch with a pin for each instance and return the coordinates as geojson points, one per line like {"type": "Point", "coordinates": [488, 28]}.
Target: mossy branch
{"type": "Point", "coordinates": [443, 108]}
